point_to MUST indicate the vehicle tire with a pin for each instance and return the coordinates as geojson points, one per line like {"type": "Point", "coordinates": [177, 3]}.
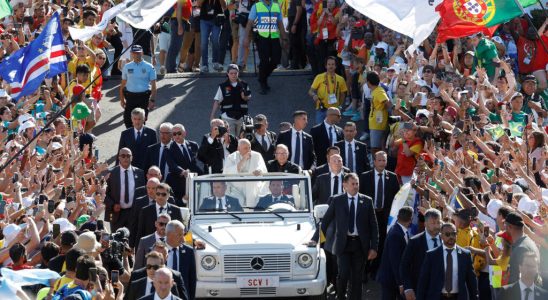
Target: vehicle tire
{"type": "Point", "coordinates": [319, 297]}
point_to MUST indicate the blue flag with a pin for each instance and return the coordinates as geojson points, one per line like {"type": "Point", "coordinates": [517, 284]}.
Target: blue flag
{"type": "Point", "coordinates": [43, 58]}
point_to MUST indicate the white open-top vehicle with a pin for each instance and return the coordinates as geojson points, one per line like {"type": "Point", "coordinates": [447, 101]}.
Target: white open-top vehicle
{"type": "Point", "coordinates": [256, 251]}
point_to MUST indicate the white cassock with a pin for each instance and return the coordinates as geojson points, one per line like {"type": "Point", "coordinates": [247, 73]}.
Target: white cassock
{"type": "Point", "coordinates": [249, 190]}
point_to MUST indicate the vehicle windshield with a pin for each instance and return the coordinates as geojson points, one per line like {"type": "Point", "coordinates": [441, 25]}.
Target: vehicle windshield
{"type": "Point", "coordinates": [250, 195]}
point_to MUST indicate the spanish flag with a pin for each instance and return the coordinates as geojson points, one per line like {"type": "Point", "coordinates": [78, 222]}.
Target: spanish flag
{"type": "Point", "coordinates": [461, 18]}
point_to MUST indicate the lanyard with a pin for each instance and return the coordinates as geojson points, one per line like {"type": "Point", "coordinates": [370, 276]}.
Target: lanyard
{"type": "Point", "coordinates": [327, 89]}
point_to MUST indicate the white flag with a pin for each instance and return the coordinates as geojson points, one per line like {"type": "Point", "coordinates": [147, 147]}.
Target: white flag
{"type": "Point", "coordinates": [413, 18]}
{"type": "Point", "coordinates": [143, 14]}
{"type": "Point", "coordinates": [84, 34]}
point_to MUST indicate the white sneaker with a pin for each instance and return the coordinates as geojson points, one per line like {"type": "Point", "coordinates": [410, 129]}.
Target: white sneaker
{"type": "Point", "coordinates": [204, 69]}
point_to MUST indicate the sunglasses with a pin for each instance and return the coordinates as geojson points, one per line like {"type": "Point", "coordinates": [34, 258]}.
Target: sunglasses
{"type": "Point", "coordinates": [177, 133]}
{"type": "Point", "coordinates": [161, 194]}
{"type": "Point", "coordinates": [124, 155]}
{"type": "Point", "coordinates": [450, 234]}
{"type": "Point", "coordinates": [162, 224]}
{"type": "Point", "coordinates": [154, 267]}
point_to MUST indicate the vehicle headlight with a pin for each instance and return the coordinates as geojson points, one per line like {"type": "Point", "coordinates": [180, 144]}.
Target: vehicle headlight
{"type": "Point", "coordinates": [305, 260]}
{"type": "Point", "coordinates": [209, 262]}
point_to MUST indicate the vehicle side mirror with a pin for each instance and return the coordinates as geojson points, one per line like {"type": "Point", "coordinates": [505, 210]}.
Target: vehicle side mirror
{"type": "Point", "coordinates": [185, 213]}
{"type": "Point", "coordinates": [320, 210]}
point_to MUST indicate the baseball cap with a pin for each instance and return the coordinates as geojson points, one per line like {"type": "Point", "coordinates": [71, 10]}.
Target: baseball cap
{"type": "Point", "coordinates": [77, 89]}
{"type": "Point", "coordinates": [514, 219]}
{"type": "Point", "coordinates": [383, 46]}
{"type": "Point", "coordinates": [530, 77]}
{"type": "Point", "coordinates": [498, 40]}
{"type": "Point", "coordinates": [232, 67]}
{"type": "Point", "coordinates": [136, 48]}
{"type": "Point", "coordinates": [470, 52]}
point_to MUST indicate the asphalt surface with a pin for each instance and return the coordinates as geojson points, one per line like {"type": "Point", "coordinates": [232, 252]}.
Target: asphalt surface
{"type": "Point", "coordinates": [188, 98]}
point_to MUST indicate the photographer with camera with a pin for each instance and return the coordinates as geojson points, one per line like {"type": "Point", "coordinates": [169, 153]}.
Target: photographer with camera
{"type": "Point", "coordinates": [232, 97]}
{"type": "Point", "coordinates": [262, 140]}
{"type": "Point", "coordinates": [216, 146]}
{"type": "Point", "coordinates": [115, 252]}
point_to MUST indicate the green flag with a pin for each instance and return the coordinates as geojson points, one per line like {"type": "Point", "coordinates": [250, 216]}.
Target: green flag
{"type": "Point", "coordinates": [496, 132]}
{"type": "Point", "coordinates": [5, 8]}
{"type": "Point", "coordinates": [501, 11]}
{"type": "Point", "coordinates": [516, 128]}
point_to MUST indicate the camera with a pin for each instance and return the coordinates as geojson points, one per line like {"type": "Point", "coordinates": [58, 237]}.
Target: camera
{"type": "Point", "coordinates": [394, 119]}
{"type": "Point", "coordinates": [248, 127]}
{"type": "Point", "coordinates": [222, 131]}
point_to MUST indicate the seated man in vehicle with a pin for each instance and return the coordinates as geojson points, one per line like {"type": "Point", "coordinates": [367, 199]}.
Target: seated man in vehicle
{"type": "Point", "coordinates": [276, 196]}
{"type": "Point", "coordinates": [220, 201]}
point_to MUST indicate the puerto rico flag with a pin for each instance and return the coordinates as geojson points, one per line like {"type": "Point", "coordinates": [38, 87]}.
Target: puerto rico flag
{"type": "Point", "coordinates": [43, 58]}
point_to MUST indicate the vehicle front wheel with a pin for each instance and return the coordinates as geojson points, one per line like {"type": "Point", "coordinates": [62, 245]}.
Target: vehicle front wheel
{"type": "Point", "coordinates": [319, 297]}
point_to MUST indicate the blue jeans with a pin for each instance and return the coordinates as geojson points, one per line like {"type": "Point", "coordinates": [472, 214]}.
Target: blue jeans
{"type": "Point", "coordinates": [175, 43]}
{"type": "Point", "coordinates": [207, 28]}
{"type": "Point", "coordinates": [320, 116]}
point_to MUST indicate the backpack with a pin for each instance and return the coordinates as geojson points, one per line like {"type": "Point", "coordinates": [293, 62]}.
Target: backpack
{"type": "Point", "coordinates": [65, 291]}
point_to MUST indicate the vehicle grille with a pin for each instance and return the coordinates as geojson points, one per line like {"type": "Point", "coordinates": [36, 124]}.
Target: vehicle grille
{"type": "Point", "coordinates": [241, 264]}
{"type": "Point", "coordinates": [257, 291]}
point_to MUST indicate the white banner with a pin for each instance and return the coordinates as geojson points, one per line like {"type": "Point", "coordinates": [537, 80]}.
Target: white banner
{"type": "Point", "coordinates": [413, 18]}
{"type": "Point", "coordinates": [84, 34]}
{"type": "Point", "coordinates": [143, 14]}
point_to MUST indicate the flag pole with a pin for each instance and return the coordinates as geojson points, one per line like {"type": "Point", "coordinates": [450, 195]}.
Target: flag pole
{"type": "Point", "coordinates": [62, 111]}
{"type": "Point", "coordinates": [532, 25]}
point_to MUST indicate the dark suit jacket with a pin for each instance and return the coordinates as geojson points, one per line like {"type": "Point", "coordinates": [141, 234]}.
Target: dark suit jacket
{"type": "Point", "coordinates": [153, 159]}
{"type": "Point", "coordinates": [389, 270]}
{"type": "Point", "coordinates": [360, 151]}
{"type": "Point", "coordinates": [177, 277]}
{"type": "Point", "coordinates": [265, 201]}
{"type": "Point", "coordinates": [127, 140]}
{"type": "Point", "coordinates": [143, 247]}
{"type": "Point", "coordinates": [210, 204]}
{"type": "Point", "coordinates": [411, 261]}
{"type": "Point", "coordinates": [512, 292]}
{"type": "Point", "coordinates": [212, 155]}
{"type": "Point", "coordinates": [177, 182]}
{"type": "Point", "coordinates": [309, 157]}
{"type": "Point", "coordinates": [138, 204]}
{"type": "Point", "coordinates": [114, 186]}
{"type": "Point", "coordinates": [391, 188]}
{"type": "Point", "coordinates": [151, 297]}
{"type": "Point", "coordinates": [432, 275]}
{"type": "Point", "coordinates": [321, 140]}
{"type": "Point", "coordinates": [269, 153]}
{"type": "Point", "coordinates": [321, 191]}
{"type": "Point", "coordinates": [187, 267]}
{"type": "Point", "coordinates": [289, 167]}
{"type": "Point", "coordinates": [148, 215]}
{"type": "Point", "coordinates": [138, 289]}
{"type": "Point", "coordinates": [366, 222]}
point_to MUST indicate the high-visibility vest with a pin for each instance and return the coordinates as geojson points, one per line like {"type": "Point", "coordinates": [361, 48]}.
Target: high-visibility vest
{"type": "Point", "coordinates": [267, 20]}
{"type": "Point", "coordinates": [498, 277]}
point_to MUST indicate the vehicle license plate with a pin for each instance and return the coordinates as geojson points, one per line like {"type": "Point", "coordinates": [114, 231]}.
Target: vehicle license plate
{"type": "Point", "coordinates": [258, 281]}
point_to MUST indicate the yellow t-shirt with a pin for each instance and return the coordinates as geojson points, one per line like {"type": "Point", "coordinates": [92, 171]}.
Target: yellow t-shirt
{"type": "Point", "coordinates": [61, 282]}
{"type": "Point", "coordinates": [76, 62]}
{"type": "Point", "coordinates": [378, 116]}
{"type": "Point", "coordinates": [334, 86]}
{"type": "Point", "coordinates": [470, 237]}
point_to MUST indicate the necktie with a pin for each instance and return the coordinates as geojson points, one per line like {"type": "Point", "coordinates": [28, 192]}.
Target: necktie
{"type": "Point", "coordinates": [163, 160]}
{"type": "Point", "coordinates": [435, 242]}
{"type": "Point", "coordinates": [138, 140]}
{"type": "Point", "coordinates": [186, 155]}
{"type": "Point", "coordinates": [163, 239]}
{"type": "Point", "coordinates": [161, 210]}
{"type": "Point", "coordinates": [331, 136]}
{"type": "Point", "coordinates": [380, 192]}
{"type": "Point", "coordinates": [527, 292]}
{"type": "Point", "coordinates": [298, 149]}
{"type": "Point", "coordinates": [219, 204]}
{"type": "Point", "coordinates": [449, 271]}
{"type": "Point", "coordinates": [335, 185]}
{"type": "Point", "coordinates": [126, 186]}
{"type": "Point", "coordinates": [264, 144]}
{"type": "Point", "coordinates": [175, 261]}
{"type": "Point", "coordinates": [350, 157]}
{"type": "Point", "coordinates": [407, 236]}
{"type": "Point", "coordinates": [352, 216]}
{"type": "Point", "coordinates": [152, 289]}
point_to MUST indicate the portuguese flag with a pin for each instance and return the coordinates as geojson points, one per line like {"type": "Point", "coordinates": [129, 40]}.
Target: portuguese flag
{"type": "Point", "coordinates": [461, 18]}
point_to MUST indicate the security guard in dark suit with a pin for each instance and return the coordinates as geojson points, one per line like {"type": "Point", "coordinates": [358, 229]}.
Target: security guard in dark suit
{"type": "Point", "coordinates": [263, 141]}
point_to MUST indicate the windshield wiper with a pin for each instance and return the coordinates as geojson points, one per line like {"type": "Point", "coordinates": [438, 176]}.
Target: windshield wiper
{"type": "Point", "coordinates": [234, 215]}
{"type": "Point", "coordinates": [221, 211]}
{"type": "Point", "coordinates": [276, 214]}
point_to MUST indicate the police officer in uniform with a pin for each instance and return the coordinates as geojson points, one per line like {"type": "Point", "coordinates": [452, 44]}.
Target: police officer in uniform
{"type": "Point", "coordinates": [267, 17]}
{"type": "Point", "coordinates": [232, 97]}
{"type": "Point", "coordinates": [138, 86]}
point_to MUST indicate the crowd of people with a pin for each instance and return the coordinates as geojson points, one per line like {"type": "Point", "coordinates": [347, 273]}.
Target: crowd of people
{"type": "Point", "coordinates": [439, 167]}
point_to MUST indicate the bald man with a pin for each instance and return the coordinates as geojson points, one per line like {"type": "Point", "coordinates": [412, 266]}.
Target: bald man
{"type": "Point", "coordinates": [124, 179]}
{"type": "Point", "coordinates": [162, 282]}
{"type": "Point", "coordinates": [326, 134]}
